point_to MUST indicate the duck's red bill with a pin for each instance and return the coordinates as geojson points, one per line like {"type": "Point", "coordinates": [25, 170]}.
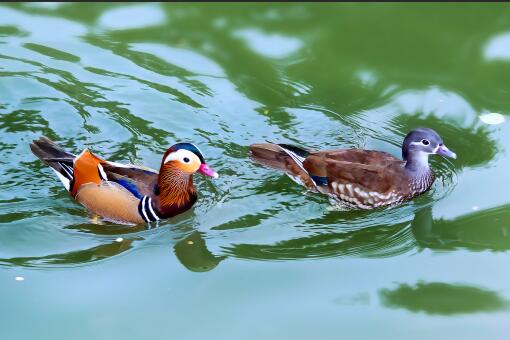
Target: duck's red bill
{"type": "Point", "coordinates": [207, 171]}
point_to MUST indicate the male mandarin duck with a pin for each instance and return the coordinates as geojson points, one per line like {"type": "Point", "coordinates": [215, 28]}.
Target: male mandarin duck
{"type": "Point", "coordinates": [127, 193]}
{"type": "Point", "coordinates": [356, 178]}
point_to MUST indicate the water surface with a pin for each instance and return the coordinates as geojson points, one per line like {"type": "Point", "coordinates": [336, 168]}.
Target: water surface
{"type": "Point", "coordinates": [257, 257]}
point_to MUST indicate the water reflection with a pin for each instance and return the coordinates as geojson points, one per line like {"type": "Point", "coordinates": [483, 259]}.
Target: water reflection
{"type": "Point", "coordinates": [438, 298]}
{"type": "Point", "coordinates": [131, 17]}
{"type": "Point", "coordinates": [463, 232]}
{"type": "Point", "coordinates": [228, 75]}
{"type": "Point", "coordinates": [272, 46]}
{"type": "Point", "coordinates": [72, 258]}
{"type": "Point", "coordinates": [189, 61]}
{"type": "Point", "coordinates": [498, 48]}
{"type": "Point", "coordinates": [482, 230]}
{"type": "Point", "coordinates": [100, 228]}
{"type": "Point", "coordinates": [191, 251]}
{"type": "Point", "coordinates": [193, 254]}
{"type": "Point", "coordinates": [128, 80]}
{"type": "Point", "coordinates": [375, 241]}
{"type": "Point", "coordinates": [378, 241]}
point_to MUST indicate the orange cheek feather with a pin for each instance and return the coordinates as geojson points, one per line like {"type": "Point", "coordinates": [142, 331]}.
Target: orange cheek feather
{"type": "Point", "coordinates": [188, 168]}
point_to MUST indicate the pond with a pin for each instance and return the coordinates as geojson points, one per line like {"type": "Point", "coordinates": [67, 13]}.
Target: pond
{"type": "Point", "coordinates": [257, 257]}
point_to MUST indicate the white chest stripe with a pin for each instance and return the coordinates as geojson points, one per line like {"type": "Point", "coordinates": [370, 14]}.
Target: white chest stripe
{"type": "Point", "coordinates": [142, 208]}
{"type": "Point", "coordinates": [152, 210]}
{"type": "Point", "coordinates": [146, 210]}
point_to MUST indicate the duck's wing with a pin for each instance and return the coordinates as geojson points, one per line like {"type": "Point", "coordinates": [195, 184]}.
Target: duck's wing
{"type": "Point", "coordinates": [357, 156]}
{"type": "Point", "coordinates": [378, 178]}
{"type": "Point", "coordinates": [118, 192]}
{"type": "Point", "coordinates": [352, 165]}
{"type": "Point", "coordinates": [140, 181]}
{"type": "Point", "coordinates": [360, 185]}
{"type": "Point", "coordinates": [89, 168]}
{"type": "Point", "coordinates": [370, 176]}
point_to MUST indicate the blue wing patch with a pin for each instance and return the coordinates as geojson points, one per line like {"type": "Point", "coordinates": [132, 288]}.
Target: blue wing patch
{"type": "Point", "coordinates": [130, 186]}
{"type": "Point", "coordinates": [319, 180]}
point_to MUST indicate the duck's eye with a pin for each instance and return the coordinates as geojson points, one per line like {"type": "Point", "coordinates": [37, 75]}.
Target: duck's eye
{"type": "Point", "coordinates": [425, 142]}
{"type": "Point", "coordinates": [185, 160]}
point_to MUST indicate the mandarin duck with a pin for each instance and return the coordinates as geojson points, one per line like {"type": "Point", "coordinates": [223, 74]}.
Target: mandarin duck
{"type": "Point", "coordinates": [127, 194]}
{"type": "Point", "coordinates": [357, 178]}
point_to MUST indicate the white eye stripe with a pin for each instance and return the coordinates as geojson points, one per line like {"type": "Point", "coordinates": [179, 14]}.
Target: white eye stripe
{"type": "Point", "coordinates": [420, 143]}
{"type": "Point", "coordinates": [180, 155]}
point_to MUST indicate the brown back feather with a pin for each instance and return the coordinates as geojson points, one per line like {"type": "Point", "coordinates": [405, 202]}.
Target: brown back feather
{"type": "Point", "coordinates": [372, 170]}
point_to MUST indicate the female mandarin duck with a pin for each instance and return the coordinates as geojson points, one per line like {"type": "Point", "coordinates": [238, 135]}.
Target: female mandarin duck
{"type": "Point", "coordinates": [127, 193]}
{"type": "Point", "coordinates": [360, 179]}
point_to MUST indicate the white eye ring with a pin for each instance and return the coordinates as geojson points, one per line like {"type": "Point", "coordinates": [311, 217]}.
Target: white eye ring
{"type": "Point", "coordinates": [425, 142]}
{"type": "Point", "coordinates": [181, 155]}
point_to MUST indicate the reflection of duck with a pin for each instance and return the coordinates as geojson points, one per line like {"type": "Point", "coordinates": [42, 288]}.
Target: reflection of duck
{"type": "Point", "coordinates": [477, 231]}
{"type": "Point", "coordinates": [75, 257]}
{"type": "Point", "coordinates": [192, 252]}
{"type": "Point", "coordinates": [127, 193]}
{"type": "Point", "coordinates": [362, 179]}
{"type": "Point", "coordinates": [481, 230]}
{"type": "Point", "coordinates": [377, 241]}
{"type": "Point", "coordinates": [442, 298]}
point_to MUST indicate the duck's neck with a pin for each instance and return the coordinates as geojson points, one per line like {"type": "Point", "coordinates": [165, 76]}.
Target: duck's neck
{"type": "Point", "coordinates": [175, 189]}
{"type": "Point", "coordinates": [417, 162]}
{"type": "Point", "coordinates": [421, 175]}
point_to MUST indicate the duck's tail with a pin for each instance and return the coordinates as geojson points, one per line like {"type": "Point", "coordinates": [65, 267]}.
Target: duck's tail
{"type": "Point", "coordinates": [283, 157]}
{"type": "Point", "coordinates": [55, 157]}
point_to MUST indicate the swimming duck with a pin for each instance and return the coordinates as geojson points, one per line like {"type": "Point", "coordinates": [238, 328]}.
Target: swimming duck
{"type": "Point", "coordinates": [356, 178]}
{"type": "Point", "coordinates": [123, 193]}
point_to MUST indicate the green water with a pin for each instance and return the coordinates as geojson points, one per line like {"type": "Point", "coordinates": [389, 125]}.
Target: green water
{"type": "Point", "coordinates": [257, 257]}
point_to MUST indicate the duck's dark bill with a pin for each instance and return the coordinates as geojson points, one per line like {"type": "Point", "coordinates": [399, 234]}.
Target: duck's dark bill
{"type": "Point", "coordinates": [444, 151]}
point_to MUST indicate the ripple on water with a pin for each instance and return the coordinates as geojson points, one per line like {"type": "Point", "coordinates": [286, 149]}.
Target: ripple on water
{"type": "Point", "coordinates": [129, 89]}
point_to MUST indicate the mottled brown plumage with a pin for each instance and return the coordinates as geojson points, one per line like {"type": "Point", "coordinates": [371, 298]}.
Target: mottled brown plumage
{"type": "Point", "coordinates": [363, 179]}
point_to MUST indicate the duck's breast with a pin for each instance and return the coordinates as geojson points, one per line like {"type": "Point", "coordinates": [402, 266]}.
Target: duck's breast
{"type": "Point", "coordinates": [111, 201]}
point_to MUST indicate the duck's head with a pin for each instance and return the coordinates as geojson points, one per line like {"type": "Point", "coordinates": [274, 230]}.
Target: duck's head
{"type": "Point", "coordinates": [187, 159]}
{"type": "Point", "coordinates": [421, 142]}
